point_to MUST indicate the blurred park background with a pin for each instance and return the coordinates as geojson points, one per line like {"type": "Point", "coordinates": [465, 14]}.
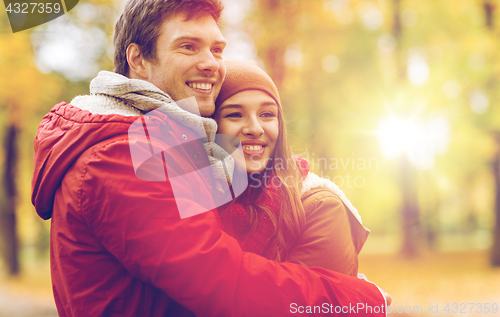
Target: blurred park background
{"type": "Point", "coordinates": [397, 101]}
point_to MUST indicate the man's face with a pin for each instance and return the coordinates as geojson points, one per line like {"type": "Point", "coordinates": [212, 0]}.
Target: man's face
{"type": "Point", "coordinates": [189, 60]}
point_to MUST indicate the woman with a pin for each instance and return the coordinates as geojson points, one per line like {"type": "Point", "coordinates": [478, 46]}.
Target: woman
{"type": "Point", "coordinates": [286, 213]}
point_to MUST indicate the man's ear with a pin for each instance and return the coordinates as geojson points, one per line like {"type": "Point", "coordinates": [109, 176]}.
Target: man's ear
{"type": "Point", "coordinates": [137, 64]}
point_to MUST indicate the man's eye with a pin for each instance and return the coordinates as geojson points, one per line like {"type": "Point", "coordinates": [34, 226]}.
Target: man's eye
{"type": "Point", "coordinates": [233, 115]}
{"type": "Point", "coordinates": [217, 50]}
{"type": "Point", "coordinates": [188, 47]}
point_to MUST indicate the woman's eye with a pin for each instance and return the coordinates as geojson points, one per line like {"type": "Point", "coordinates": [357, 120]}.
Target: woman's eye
{"type": "Point", "coordinates": [268, 114]}
{"type": "Point", "coordinates": [233, 115]}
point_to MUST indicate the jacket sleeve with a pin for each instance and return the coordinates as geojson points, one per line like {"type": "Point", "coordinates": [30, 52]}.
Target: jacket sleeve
{"type": "Point", "coordinates": [328, 240]}
{"type": "Point", "coordinates": [193, 260]}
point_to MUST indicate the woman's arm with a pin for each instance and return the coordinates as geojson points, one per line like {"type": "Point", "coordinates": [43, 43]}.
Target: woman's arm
{"type": "Point", "coordinates": [332, 237]}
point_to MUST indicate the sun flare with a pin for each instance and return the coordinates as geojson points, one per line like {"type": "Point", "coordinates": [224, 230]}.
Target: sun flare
{"type": "Point", "coordinates": [396, 136]}
{"type": "Point", "coordinates": [420, 139]}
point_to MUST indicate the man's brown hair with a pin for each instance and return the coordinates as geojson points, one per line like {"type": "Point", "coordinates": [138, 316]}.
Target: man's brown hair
{"type": "Point", "coordinates": [141, 22]}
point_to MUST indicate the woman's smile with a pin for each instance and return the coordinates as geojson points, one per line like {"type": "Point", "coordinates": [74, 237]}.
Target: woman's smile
{"type": "Point", "coordinates": [252, 148]}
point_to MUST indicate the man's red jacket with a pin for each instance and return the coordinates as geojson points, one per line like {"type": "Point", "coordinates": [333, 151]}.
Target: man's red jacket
{"type": "Point", "coordinates": [120, 248]}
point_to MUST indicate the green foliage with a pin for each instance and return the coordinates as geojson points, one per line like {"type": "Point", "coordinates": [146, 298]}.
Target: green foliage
{"type": "Point", "coordinates": [334, 112]}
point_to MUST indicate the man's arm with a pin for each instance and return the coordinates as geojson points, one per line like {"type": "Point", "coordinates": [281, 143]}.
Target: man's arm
{"type": "Point", "coordinates": [193, 260]}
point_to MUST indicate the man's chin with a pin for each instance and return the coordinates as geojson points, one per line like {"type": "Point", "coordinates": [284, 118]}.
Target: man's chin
{"type": "Point", "coordinates": [206, 107]}
{"type": "Point", "coordinates": [207, 111]}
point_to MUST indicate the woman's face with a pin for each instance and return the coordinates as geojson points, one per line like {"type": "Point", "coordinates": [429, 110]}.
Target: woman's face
{"type": "Point", "coordinates": [252, 116]}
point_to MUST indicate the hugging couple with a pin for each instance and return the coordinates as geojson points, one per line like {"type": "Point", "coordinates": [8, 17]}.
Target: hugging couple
{"type": "Point", "coordinates": [119, 246]}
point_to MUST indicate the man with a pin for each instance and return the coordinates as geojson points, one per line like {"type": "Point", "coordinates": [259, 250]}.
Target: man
{"type": "Point", "coordinates": [118, 244]}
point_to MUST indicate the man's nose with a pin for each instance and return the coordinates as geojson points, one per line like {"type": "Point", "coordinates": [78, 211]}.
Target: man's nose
{"type": "Point", "coordinates": [208, 62]}
{"type": "Point", "coordinates": [253, 127]}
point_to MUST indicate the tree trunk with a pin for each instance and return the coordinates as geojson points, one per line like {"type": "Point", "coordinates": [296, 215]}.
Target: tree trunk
{"type": "Point", "coordinates": [489, 9]}
{"type": "Point", "coordinates": [8, 223]}
{"type": "Point", "coordinates": [410, 212]}
{"type": "Point", "coordinates": [397, 32]}
{"type": "Point", "coordinates": [410, 222]}
{"type": "Point", "coordinates": [273, 55]}
{"type": "Point", "coordinates": [275, 63]}
{"type": "Point", "coordinates": [495, 248]}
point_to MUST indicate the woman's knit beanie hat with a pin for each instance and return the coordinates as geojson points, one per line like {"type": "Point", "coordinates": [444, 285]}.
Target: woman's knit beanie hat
{"type": "Point", "coordinates": [245, 75]}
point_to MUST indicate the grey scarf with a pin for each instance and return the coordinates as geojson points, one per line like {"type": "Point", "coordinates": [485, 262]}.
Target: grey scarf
{"type": "Point", "coordinates": [146, 97]}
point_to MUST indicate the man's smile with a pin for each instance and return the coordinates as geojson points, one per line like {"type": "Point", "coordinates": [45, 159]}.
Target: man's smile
{"type": "Point", "coordinates": [201, 87]}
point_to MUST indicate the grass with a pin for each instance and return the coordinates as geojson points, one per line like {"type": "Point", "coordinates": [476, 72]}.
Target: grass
{"type": "Point", "coordinates": [29, 294]}
{"type": "Point", "coordinates": [436, 279]}
{"type": "Point", "coordinates": [426, 281]}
